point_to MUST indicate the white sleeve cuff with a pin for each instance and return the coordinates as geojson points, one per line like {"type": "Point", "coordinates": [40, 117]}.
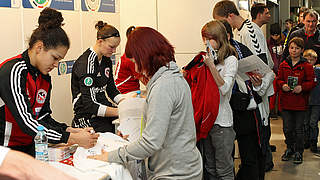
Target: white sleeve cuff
{"type": "Point", "coordinates": [118, 98]}
{"type": "Point", "coordinates": [102, 110]}
{"type": "Point", "coordinates": [3, 153]}
{"type": "Point", "coordinates": [258, 88]}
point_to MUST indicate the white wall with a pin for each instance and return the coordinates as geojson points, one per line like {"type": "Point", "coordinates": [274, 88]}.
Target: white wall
{"type": "Point", "coordinates": [10, 32]}
{"type": "Point", "coordinates": [179, 20]}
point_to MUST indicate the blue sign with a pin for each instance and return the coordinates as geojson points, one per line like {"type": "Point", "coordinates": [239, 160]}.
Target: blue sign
{"type": "Point", "coordinates": [56, 4]}
{"type": "Point", "coordinates": [98, 5]}
{"type": "Point", "coordinates": [5, 3]}
{"type": "Point", "coordinates": [65, 67]}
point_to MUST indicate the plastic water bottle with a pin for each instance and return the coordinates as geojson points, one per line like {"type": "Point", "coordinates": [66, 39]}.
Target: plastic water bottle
{"type": "Point", "coordinates": [41, 145]}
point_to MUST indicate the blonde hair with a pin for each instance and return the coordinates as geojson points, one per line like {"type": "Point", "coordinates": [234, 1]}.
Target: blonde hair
{"type": "Point", "coordinates": [216, 30]}
{"type": "Point", "coordinates": [310, 52]}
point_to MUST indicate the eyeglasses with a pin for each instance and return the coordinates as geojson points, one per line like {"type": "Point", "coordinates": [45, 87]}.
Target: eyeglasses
{"type": "Point", "coordinates": [116, 34]}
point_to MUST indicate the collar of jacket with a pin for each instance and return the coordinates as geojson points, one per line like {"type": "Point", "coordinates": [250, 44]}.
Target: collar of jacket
{"type": "Point", "coordinates": [33, 70]}
{"type": "Point", "coordinates": [171, 66]}
{"type": "Point", "coordinates": [289, 61]}
{"type": "Point", "coordinates": [302, 33]}
{"type": "Point", "coordinates": [245, 21]}
{"type": "Point", "coordinates": [198, 59]}
{"type": "Point", "coordinates": [315, 34]}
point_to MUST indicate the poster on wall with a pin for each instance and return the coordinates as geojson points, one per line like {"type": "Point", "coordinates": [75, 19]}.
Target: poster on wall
{"type": "Point", "coordinates": [98, 5]}
{"type": "Point", "coordinates": [56, 4]}
{"type": "Point", "coordinates": [10, 3]}
{"type": "Point", "coordinates": [258, 1]}
{"type": "Point", "coordinates": [65, 67]}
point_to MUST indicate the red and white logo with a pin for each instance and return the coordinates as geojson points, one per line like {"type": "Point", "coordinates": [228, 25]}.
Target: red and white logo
{"type": "Point", "coordinates": [107, 72]}
{"type": "Point", "coordinates": [41, 96]}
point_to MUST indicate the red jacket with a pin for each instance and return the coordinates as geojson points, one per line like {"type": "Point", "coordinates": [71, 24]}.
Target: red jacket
{"type": "Point", "coordinates": [205, 95]}
{"type": "Point", "coordinates": [304, 71]}
{"type": "Point", "coordinates": [127, 79]}
{"type": "Point", "coordinates": [25, 104]}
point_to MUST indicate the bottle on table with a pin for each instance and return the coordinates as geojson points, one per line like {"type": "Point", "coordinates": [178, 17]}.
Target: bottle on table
{"type": "Point", "coordinates": [41, 145]}
{"type": "Point", "coordinates": [138, 94]}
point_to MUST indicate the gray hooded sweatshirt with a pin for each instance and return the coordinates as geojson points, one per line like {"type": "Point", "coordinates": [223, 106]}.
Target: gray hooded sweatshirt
{"type": "Point", "coordinates": [169, 138]}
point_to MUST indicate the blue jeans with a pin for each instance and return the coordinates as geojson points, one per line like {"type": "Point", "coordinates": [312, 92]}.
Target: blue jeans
{"type": "Point", "coordinates": [311, 128]}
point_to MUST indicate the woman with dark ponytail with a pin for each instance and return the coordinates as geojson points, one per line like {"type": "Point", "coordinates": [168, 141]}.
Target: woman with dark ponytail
{"type": "Point", "coordinates": [26, 88]}
{"type": "Point", "coordinates": [92, 78]}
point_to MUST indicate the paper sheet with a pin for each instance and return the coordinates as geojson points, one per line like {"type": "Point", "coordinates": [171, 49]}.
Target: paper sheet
{"type": "Point", "coordinates": [252, 65]}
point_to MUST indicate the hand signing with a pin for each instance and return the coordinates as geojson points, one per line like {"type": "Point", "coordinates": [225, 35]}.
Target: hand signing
{"type": "Point", "coordinates": [102, 157]}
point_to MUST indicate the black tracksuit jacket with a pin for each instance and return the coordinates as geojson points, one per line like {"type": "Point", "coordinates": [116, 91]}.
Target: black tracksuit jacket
{"type": "Point", "coordinates": [90, 82]}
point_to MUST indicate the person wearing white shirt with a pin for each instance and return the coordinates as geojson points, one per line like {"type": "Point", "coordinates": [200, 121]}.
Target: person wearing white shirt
{"type": "Point", "coordinates": [261, 15]}
{"type": "Point", "coordinates": [223, 65]}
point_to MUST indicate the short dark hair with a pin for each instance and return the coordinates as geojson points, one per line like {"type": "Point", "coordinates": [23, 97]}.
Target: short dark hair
{"type": "Point", "coordinates": [224, 8]}
{"type": "Point", "coordinates": [298, 41]}
{"type": "Point", "coordinates": [256, 9]}
{"type": "Point", "coordinates": [289, 21]}
{"type": "Point", "coordinates": [312, 13]}
{"type": "Point", "coordinates": [228, 27]}
{"type": "Point", "coordinates": [275, 29]}
{"type": "Point", "coordinates": [150, 50]}
{"type": "Point", "coordinates": [49, 31]}
{"type": "Point", "coordinates": [302, 10]}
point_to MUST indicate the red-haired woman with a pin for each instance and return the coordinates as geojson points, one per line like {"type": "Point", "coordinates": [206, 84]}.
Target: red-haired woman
{"type": "Point", "coordinates": [169, 137]}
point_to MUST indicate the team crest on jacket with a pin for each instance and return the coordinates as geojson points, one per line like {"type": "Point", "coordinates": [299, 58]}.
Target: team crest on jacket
{"type": "Point", "coordinates": [107, 72]}
{"type": "Point", "coordinates": [41, 96]}
{"type": "Point", "coordinates": [88, 81]}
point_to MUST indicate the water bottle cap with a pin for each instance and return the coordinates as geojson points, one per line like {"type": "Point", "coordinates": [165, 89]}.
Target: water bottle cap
{"type": "Point", "coordinates": [40, 128]}
{"type": "Point", "coordinates": [138, 92]}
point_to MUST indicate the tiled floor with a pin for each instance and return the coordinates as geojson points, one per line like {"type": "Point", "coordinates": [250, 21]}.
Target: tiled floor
{"type": "Point", "coordinates": [308, 170]}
